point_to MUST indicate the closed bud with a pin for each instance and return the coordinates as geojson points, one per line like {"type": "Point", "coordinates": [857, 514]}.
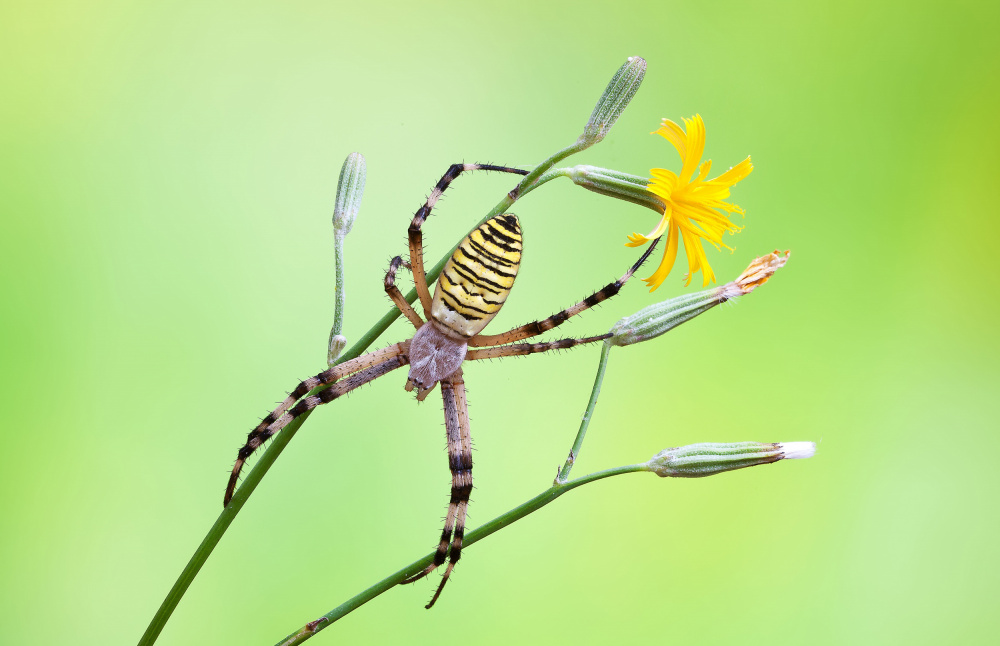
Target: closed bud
{"type": "Point", "coordinates": [659, 318]}
{"type": "Point", "coordinates": [350, 188]}
{"type": "Point", "coordinates": [709, 458]}
{"type": "Point", "coordinates": [615, 99]}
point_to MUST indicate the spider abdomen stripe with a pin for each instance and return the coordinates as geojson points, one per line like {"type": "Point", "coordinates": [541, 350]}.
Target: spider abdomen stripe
{"type": "Point", "coordinates": [478, 277]}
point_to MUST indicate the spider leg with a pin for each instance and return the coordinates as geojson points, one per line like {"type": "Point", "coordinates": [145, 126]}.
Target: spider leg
{"type": "Point", "coordinates": [326, 377]}
{"type": "Point", "coordinates": [416, 237]}
{"type": "Point", "coordinates": [360, 371]}
{"type": "Point", "coordinates": [456, 416]}
{"type": "Point", "coordinates": [538, 327]}
{"type": "Point", "coordinates": [397, 297]}
{"type": "Point", "coordinates": [519, 349]}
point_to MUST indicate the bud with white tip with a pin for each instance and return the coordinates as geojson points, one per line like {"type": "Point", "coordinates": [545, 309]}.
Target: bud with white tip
{"type": "Point", "coordinates": [710, 458]}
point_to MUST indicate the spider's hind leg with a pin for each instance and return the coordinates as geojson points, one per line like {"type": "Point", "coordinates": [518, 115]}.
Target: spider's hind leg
{"type": "Point", "coordinates": [456, 416]}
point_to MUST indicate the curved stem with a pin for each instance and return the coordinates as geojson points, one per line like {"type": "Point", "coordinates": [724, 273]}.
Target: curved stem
{"type": "Point", "coordinates": [219, 528]}
{"type": "Point", "coordinates": [471, 538]}
{"type": "Point", "coordinates": [595, 392]}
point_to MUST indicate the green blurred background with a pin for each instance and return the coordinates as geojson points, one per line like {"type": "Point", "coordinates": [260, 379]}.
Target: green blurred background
{"type": "Point", "coordinates": [168, 173]}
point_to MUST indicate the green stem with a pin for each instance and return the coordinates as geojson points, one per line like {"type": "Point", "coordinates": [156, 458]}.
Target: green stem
{"type": "Point", "coordinates": [281, 440]}
{"type": "Point", "coordinates": [595, 392]}
{"type": "Point", "coordinates": [218, 529]}
{"type": "Point", "coordinates": [338, 295]}
{"type": "Point", "coordinates": [471, 538]}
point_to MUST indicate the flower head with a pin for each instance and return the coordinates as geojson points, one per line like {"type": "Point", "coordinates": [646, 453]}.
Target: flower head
{"type": "Point", "coordinates": [694, 208]}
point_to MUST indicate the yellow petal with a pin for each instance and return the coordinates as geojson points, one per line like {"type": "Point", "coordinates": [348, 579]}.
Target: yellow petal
{"type": "Point", "coordinates": [662, 183]}
{"type": "Point", "coordinates": [661, 226]}
{"type": "Point", "coordinates": [734, 174]}
{"type": "Point", "coordinates": [704, 216]}
{"type": "Point", "coordinates": [695, 253]}
{"type": "Point", "coordinates": [667, 263]}
{"type": "Point", "coordinates": [703, 172]}
{"type": "Point", "coordinates": [674, 134]}
{"type": "Point", "coordinates": [695, 147]}
{"type": "Point", "coordinates": [663, 176]}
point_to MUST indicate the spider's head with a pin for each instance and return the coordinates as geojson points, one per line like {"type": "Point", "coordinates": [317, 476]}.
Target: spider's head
{"type": "Point", "coordinates": [433, 356]}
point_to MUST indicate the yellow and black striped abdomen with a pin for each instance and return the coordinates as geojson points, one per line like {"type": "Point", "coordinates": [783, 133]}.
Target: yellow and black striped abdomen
{"type": "Point", "coordinates": [477, 278]}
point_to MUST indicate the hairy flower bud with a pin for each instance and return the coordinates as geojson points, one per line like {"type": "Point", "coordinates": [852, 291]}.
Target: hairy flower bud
{"type": "Point", "coordinates": [350, 189]}
{"type": "Point", "coordinates": [615, 99]}
{"type": "Point", "coordinates": [709, 458]}
{"type": "Point", "coordinates": [659, 318]}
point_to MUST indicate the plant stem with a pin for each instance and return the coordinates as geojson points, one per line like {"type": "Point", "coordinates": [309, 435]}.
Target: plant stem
{"type": "Point", "coordinates": [338, 295]}
{"type": "Point", "coordinates": [595, 392]}
{"type": "Point", "coordinates": [471, 538]}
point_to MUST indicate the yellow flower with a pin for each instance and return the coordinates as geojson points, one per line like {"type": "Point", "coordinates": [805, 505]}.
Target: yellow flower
{"type": "Point", "coordinates": [694, 205]}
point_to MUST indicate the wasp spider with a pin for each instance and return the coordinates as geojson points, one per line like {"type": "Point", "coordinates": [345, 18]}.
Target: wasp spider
{"type": "Point", "coordinates": [472, 287]}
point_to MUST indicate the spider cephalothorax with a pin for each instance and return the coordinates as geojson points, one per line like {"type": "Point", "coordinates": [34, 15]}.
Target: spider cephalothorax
{"type": "Point", "coordinates": [473, 285]}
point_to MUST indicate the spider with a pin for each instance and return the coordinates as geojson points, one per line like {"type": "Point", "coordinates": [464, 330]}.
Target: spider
{"type": "Point", "coordinates": [471, 289]}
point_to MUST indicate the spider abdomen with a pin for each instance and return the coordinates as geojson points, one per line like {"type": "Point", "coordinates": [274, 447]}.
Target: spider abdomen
{"type": "Point", "coordinates": [478, 277]}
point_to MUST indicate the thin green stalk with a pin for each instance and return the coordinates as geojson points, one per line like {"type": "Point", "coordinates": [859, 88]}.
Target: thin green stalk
{"type": "Point", "coordinates": [282, 439]}
{"type": "Point", "coordinates": [218, 529]}
{"type": "Point", "coordinates": [471, 538]}
{"type": "Point", "coordinates": [595, 392]}
{"type": "Point", "coordinates": [339, 300]}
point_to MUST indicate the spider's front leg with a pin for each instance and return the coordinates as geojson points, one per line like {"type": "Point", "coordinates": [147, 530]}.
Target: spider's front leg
{"type": "Point", "coordinates": [397, 296]}
{"type": "Point", "coordinates": [416, 237]}
{"type": "Point", "coordinates": [456, 420]}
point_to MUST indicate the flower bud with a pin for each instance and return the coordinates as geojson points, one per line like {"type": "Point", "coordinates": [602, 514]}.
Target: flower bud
{"type": "Point", "coordinates": [615, 99]}
{"type": "Point", "coordinates": [650, 322]}
{"type": "Point", "coordinates": [708, 459]}
{"type": "Point", "coordinates": [350, 188]}
{"type": "Point", "coordinates": [659, 318]}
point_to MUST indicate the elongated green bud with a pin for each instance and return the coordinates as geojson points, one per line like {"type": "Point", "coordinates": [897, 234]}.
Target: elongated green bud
{"type": "Point", "coordinates": [659, 318]}
{"type": "Point", "coordinates": [350, 188]}
{"type": "Point", "coordinates": [709, 458]}
{"type": "Point", "coordinates": [615, 99]}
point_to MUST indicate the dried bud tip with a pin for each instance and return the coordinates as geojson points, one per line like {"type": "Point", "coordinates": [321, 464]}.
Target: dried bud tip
{"type": "Point", "coordinates": [760, 270]}
{"type": "Point", "coordinates": [797, 450]}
